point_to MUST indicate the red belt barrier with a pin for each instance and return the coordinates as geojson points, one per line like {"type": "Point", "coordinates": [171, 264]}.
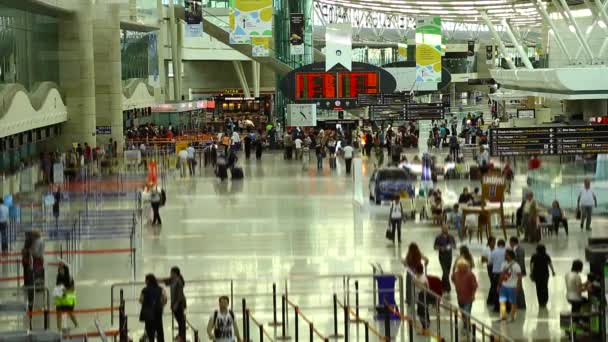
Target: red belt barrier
{"type": "Point", "coordinates": [76, 311]}
{"type": "Point", "coordinates": [11, 278]}
{"type": "Point", "coordinates": [84, 251]}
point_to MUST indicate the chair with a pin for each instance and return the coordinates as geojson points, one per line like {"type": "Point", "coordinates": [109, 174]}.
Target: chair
{"type": "Point", "coordinates": [545, 224]}
{"type": "Point", "coordinates": [420, 207]}
{"type": "Point", "coordinates": [408, 208]}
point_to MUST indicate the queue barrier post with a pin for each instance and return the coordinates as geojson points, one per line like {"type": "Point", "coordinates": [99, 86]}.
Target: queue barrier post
{"type": "Point", "coordinates": [346, 323]}
{"type": "Point", "coordinates": [387, 323]}
{"type": "Point", "coordinates": [410, 330]}
{"type": "Point", "coordinates": [261, 332]}
{"type": "Point", "coordinates": [244, 307]}
{"type": "Point", "coordinates": [46, 318]}
{"type": "Point", "coordinates": [474, 331]}
{"type": "Point", "coordinates": [366, 332]}
{"type": "Point", "coordinates": [311, 332]}
{"type": "Point", "coordinates": [456, 335]}
{"type": "Point", "coordinates": [296, 333]}
{"type": "Point", "coordinates": [357, 320]}
{"type": "Point", "coordinates": [247, 331]}
{"type": "Point", "coordinates": [335, 303]}
{"type": "Point", "coordinates": [275, 322]}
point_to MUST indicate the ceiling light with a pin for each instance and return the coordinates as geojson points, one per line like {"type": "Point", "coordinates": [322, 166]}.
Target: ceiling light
{"type": "Point", "coordinates": [571, 28]}
{"type": "Point", "coordinates": [602, 24]}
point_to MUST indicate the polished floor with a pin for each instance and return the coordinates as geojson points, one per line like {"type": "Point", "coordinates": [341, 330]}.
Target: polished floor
{"type": "Point", "coordinates": [287, 223]}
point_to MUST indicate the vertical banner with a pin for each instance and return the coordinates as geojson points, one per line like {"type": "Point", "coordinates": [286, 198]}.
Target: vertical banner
{"type": "Point", "coordinates": [252, 18]}
{"type": "Point", "coordinates": [338, 46]}
{"type": "Point", "coordinates": [296, 33]}
{"type": "Point", "coordinates": [260, 46]}
{"type": "Point", "coordinates": [153, 74]}
{"type": "Point", "coordinates": [471, 50]}
{"type": "Point", "coordinates": [489, 54]}
{"type": "Point", "coordinates": [194, 18]}
{"type": "Point", "coordinates": [428, 49]}
{"type": "Point", "coordinates": [401, 52]}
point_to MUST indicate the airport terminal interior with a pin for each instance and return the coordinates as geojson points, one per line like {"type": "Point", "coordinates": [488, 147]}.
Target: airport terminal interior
{"type": "Point", "coordinates": [318, 170]}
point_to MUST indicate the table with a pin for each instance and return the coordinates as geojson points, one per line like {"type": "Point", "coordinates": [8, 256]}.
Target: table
{"type": "Point", "coordinates": [485, 212]}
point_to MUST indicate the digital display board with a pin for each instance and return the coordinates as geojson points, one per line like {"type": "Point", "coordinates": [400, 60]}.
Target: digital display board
{"type": "Point", "coordinates": [315, 85]}
{"type": "Point", "coordinates": [408, 111]}
{"type": "Point", "coordinates": [331, 85]}
{"type": "Point", "coordinates": [382, 99]}
{"type": "Point", "coordinates": [560, 140]}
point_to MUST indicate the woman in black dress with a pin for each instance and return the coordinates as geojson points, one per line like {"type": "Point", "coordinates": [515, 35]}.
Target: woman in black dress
{"type": "Point", "coordinates": [153, 298]}
{"type": "Point", "coordinates": [540, 264]}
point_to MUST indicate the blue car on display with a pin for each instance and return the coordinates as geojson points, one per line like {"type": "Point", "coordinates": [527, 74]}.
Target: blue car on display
{"type": "Point", "coordinates": [388, 183]}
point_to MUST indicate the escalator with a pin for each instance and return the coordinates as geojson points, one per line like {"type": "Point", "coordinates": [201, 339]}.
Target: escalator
{"type": "Point", "coordinates": [218, 28]}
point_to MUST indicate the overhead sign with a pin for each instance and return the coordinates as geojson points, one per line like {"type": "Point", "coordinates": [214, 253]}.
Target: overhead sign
{"type": "Point", "coordinates": [489, 54]}
{"type": "Point", "coordinates": [561, 140]}
{"type": "Point", "coordinates": [526, 113]}
{"type": "Point", "coordinates": [382, 99]}
{"type": "Point", "coordinates": [194, 18]}
{"type": "Point", "coordinates": [103, 130]}
{"type": "Point", "coordinates": [428, 50]}
{"type": "Point", "coordinates": [338, 46]}
{"type": "Point", "coordinates": [251, 18]}
{"type": "Point", "coordinates": [296, 33]}
{"type": "Point", "coordinates": [408, 111]}
{"type": "Point", "coordinates": [302, 115]}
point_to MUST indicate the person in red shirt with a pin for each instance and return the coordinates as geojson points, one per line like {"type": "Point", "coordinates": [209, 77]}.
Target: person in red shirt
{"type": "Point", "coordinates": [534, 163]}
{"type": "Point", "coordinates": [466, 286]}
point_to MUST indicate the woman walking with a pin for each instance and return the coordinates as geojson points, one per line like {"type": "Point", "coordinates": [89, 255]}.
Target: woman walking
{"type": "Point", "coordinates": [413, 259]}
{"type": "Point", "coordinates": [540, 264]}
{"type": "Point", "coordinates": [152, 299]}
{"type": "Point", "coordinates": [178, 301]}
{"type": "Point", "coordinates": [65, 296]}
{"type": "Point", "coordinates": [395, 218]}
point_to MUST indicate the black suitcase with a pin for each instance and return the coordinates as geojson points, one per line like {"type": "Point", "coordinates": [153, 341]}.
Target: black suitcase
{"type": "Point", "coordinates": [222, 171]}
{"type": "Point", "coordinates": [237, 173]}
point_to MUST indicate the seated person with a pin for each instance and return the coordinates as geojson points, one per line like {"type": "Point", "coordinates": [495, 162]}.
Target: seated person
{"type": "Point", "coordinates": [476, 197]}
{"type": "Point", "coordinates": [456, 219]}
{"type": "Point", "coordinates": [465, 196]}
{"type": "Point", "coordinates": [557, 217]}
{"type": "Point", "coordinates": [575, 287]}
{"type": "Point", "coordinates": [437, 207]}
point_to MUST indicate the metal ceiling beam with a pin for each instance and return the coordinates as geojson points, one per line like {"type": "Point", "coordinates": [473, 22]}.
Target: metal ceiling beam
{"type": "Point", "coordinates": [501, 45]}
{"type": "Point", "coordinates": [577, 30]}
{"type": "Point", "coordinates": [520, 50]}
{"type": "Point", "coordinates": [543, 11]}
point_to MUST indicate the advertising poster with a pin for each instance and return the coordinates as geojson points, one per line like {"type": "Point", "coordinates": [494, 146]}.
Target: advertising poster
{"type": "Point", "coordinates": [296, 33]}
{"type": "Point", "coordinates": [260, 46]}
{"type": "Point", "coordinates": [153, 79]}
{"type": "Point", "coordinates": [489, 54]}
{"type": "Point", "coordinates": [193, 13]}
{"type": "Point", "coordinates": [338, 46]}
{"type": "Point", "coordinates": [428, 50]}
{"type": "Point", "coordinates": [252, 18]}
{"type": "Point", "coordinates": [471, 50]}
{"type": "Point", "coordinates": [402, 52]}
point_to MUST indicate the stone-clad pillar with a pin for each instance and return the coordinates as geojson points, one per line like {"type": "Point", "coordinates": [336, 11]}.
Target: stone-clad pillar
{"type": "Point", "coordinates": [77, 74]}
{"type": "Point", "coordinates": [108, 83]}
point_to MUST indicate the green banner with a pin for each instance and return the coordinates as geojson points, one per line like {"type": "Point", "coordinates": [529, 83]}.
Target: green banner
{"type": "Point", "coordinates": [428, 50]}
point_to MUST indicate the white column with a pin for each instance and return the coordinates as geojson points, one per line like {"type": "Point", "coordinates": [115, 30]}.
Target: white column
{"type": "Point", "coordinates": [520, 50]}
{"type": "Point", "coordinates": [174, 53]}
{"type": "Point", "coordinates": [160, 47]}
{"type": "Point", "coordinates": [255, 73]}
{"type": "Point", "coordinates": [577, 29]}
{"type": "Point", "coordinates": [543, 12]}
{"type": "Point", "coordinates": [238, 68]}
{"type": "Point", "coordinates": [496, 36]}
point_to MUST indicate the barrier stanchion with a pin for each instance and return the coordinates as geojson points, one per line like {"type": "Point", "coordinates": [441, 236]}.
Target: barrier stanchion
{"type": "Point", "coordinates": [357, 320]}
{"type": "Point", "coordinates": [387, 323]}
{"type": "Point", "coordinates": [244, 306]}
{"type": "Point", "coordinates": [410, 330]}
{"type": "Point", "coordinates": [474, 332]}
{"type": "Point", "coordinates": [296, 333]}
{"type": "Point", "coordinates": [456, 335]}
{"type": "Point", "coordinates": [247, 333]}
{"type": "Point", "coordinates": [274, 322]}
{"type": "Point", "coordinates": [261, 332]}
{"type": "Point", "coordinates": [346, 323]}
{"type": "Point", "coordinates": [366, 332]}
{"type": "Point", "coordinates": [311, 332]}
{"type": "Point", "coordinates": [283, 317]}
{"type": "Point", "coordinates": [336, 334]}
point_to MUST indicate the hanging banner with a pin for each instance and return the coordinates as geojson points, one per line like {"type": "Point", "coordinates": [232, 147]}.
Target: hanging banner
{"type": "Point", "coordinates": [338, 46]}
{"type": "Point", "coordinates": [401, 52]}
{"type": "Point", "coordinates": [471, 50]}
{"type": "Point", "coordinates": [193, 13]}
{"type": "Point", "coordinates": [153, 76]}
{"type": "Point", "coordinates": [260, 46]}
{"type": "Point", "coordinates": [428, 50]}
{"type": "Point", "coordinates": [252, 18]}
{"type": "Point", "coordinates": [489, 54]}
{"type": "Point", "coordinates": [296, 33]}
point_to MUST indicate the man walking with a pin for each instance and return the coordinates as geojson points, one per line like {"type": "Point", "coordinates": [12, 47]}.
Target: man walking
{"type": "Point", "coordinates": [497, 258]}
{"type": "Point", "coordinates": [155, 201]}
{"type": "Point", "coordinates": [586, 202]}
{"type": "Point", "coordinates": [348, 157]}
{"type": "Point", "coordinates": [222, 325]}
{"type": "Point", "coordinates": [191, 159]}
{"type": "Point", "coordinates": [4, 226]}
{"type": "Point", "coordinates": [444, 244]}
{"type": "Point", "coordinates": [520, 258]}
{"type": "Point", "coordinates": [183, 161]}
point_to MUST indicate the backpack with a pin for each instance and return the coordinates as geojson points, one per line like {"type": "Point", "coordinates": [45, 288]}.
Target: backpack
{"type": "Point", "coordinates": [163, 197]}
{"type": "Point", "coordinates": [216, 332]}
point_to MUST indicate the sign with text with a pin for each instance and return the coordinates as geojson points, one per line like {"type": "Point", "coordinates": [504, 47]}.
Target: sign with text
{"type": "Point", "coordinates": [194, 18]}
{"type": "Point", "coordinates": [428, 50]}
{"type": "Point", "coordinates": [557, 140]}
{"type": "Point", "coordinates": [103, 130]}
{"type": "Point", "coordinates": [296, 33]}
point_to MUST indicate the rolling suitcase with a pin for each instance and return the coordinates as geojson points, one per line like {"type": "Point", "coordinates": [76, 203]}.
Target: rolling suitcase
{"type": "Point", "coordinates": [237, 173]}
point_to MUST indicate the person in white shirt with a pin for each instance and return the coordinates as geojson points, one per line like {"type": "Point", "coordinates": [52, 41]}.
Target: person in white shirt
{"type": "Point", "coordinates": [510, 285]}
{"type": "Point", "coordinates": [484, 156]}
{"type": "Point", "coordinates": [4, 225]}
{"type": "Point", "coordinates": [235, 140]}
{"type": "Point", "coordinates": [586, 202]}
{"type": "Point", "coordinates": [395, 218]}
{"type": "Point", "coordinates": [575, 286]}
{"type": "Point", "coordinates": [298, 144]}
{"type": "Point", "coordinates": [222, 325]}
{"type": "Point", "coordinates": [497, 257]}
{"type": "Point", "coordinates": [348, 157]}
{"type": "Point", "coordinates": [183, 161]}
{"type": "Point", "coordinates": [191, 159]}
